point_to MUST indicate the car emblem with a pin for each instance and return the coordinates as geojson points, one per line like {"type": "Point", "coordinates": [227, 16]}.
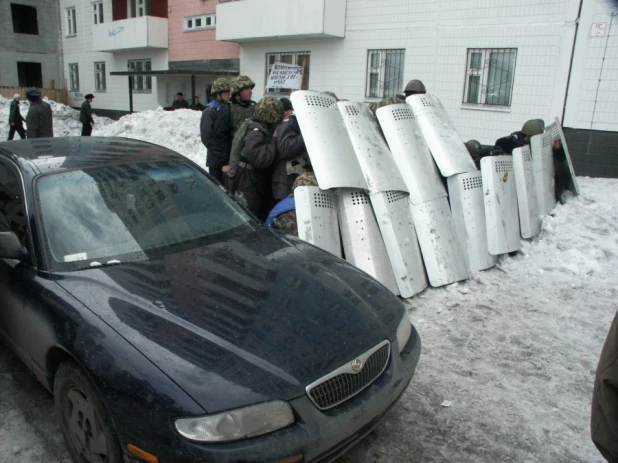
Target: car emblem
{"type": "Point", "coordinates": [357, 365]}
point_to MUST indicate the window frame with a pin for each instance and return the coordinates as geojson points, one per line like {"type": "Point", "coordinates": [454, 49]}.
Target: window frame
{"type": "Point", "coordinates": [277, 58]}
{"type": "Point", "coordinates": [479, 70]}
{"type": "Point", "coordinates": [135, 7]}
{"type": "Point", "coordinates": [141, 84]}
{"type": "Point", "coordinates": [100, 79]}
{"type": "Point", "coordinates": [71, 21]}
{"type": "Point", "coordinates": [74, 77]}
{"type": "Point", "coordinates": [188, 23]}
{"type": "Point", "coordinates": [98, 16]}
{"type": "Point", "coordinates": [380, 72]}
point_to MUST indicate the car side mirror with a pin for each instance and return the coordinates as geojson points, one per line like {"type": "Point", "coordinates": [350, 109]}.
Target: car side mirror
{"type": "Point", "coordinates": [10, 247]}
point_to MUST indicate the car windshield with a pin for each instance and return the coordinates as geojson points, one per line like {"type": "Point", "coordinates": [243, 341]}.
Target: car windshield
{"type": "Point", "coordinates": [131, 212]}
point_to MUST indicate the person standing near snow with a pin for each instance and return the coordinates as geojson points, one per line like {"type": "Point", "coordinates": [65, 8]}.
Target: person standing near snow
{"type": "Point", "coordinates": [254, 150]}
{"type": "Point", "coordinates": [238, 108]}
{"type": "Point", "coordinates": [39, 120]}
{"type": "Point", "coordinates": [85, 115]}
{"type": "Point", "coordinates": [218, 147]}
{"type": "Point", "coordinates": [180, 102]}
{"type": "Point", "coordinates": [196, 105]}
{"type": "Point", "coordinates": [16, 120]}
{"type": "Point", "coordinates": [604, 416]}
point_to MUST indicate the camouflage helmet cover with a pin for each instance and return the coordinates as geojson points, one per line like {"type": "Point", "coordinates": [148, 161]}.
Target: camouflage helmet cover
{"type": "Point", "coordinates": [220, 85]}
{"type": "Point", "coordinates": [240, 82]}
{"type": "Point", "coordinates": [331, 94]}
{"type": "Point", "coordinates": [385, 102]}
{"type": "Point", "coordinates": [532, 127]}
{"type": "Point", "coordinates": [305, 179]}
{"type": "Point", "coordinates": [269, 110]}
{"type": "Point", "coordinates": [415, 86]}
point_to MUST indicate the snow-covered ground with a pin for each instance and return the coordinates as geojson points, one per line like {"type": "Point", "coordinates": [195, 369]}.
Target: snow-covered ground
{"type": "Point", "coordinates": [512, 351]}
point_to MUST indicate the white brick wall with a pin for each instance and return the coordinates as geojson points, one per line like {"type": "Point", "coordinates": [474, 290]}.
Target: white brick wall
{"type": "Point", "coordinates": [436, 35]}
{"type": "Point", "coordinates": [593, 90]}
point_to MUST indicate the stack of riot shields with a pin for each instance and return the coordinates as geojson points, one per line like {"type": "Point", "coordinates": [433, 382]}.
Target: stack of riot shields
{"type": "Point", "coordinates": [382, 191]}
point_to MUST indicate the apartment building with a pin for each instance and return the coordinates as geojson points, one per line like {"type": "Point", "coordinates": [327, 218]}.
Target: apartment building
{"type": "Point", "coordinates": [30, 49]}
{"type": "Point", "coordinates": [135, 55]}
{"type": "Point", "coordinates": [493, 63]}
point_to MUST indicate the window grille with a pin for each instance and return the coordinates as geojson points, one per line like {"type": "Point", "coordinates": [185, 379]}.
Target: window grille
{"type": "Point", "coordinates": [298, 58]}
{"type": "Point", "coordinates": [489, 76]}
{"type": "Point", "coordinates": [384, 73]}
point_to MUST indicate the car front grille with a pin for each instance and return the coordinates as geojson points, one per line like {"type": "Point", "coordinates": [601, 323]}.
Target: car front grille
{"type": "Point", "coordinates": [345, 382]}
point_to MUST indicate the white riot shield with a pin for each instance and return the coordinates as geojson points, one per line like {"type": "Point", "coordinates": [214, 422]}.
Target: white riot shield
{"type": "Point", "coordinates": [500, 197]}
{"type": "Point", "coordinates": [543, 169]}
{"type": "Point", "coordinates": [316, 218]}
{"type": "Point", "coordinates": [411, 153]}
{"type": "Point", "coordinates": [468, 209]}
{"type": "Point", "coordinates": [362, 243]}
{"type": "Point", "coordinates": [557, 134]}
{"type": "Point", "coordinates": [376, 161]}
{"type": "Point", "coordinates": [392, 210]}
{"type": "Point", "coordinates": [326, 138]}
{"type": "Point", "coordinates": [446, 146]}
{"type": "Point", "coordinates": [445, 259]}
{"type": "Point", "coordinates": [529, 217]}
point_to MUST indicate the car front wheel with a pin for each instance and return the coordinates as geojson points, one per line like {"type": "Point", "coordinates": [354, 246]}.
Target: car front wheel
{"type": "Point", "coordinates": [85, 423]}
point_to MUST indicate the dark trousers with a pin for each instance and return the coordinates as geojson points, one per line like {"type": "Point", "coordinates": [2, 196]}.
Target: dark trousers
{"type": "Point", "coordinates": [19, 129]}
{"type": "Point", "coordinates": [86, 130]}
{"type": "Point", "coordinates": [217, 173]}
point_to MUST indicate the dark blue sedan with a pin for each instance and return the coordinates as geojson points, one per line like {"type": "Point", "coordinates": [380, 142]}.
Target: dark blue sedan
{"type": "Point", "coordinates": [172, 326]}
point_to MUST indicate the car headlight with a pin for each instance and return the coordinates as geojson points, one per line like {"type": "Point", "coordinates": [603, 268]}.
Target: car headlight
{"type": "Point", "coordinates": [404, 330]}
{"type": "Point", "coordinates": [241, 423]}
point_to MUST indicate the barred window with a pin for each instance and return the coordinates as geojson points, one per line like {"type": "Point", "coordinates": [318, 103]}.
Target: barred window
{"type": "Point", "coordinates": [73, 77]}
{"type": "Point", "coordinates": [298, 58]}
{"type": "Point", "coordinates": [489, 76]}
{"type": "Point", "coordinates": [99, 77]}
{"type": "Point", "coordinates": [141, 83]}
{"type": "Point", "coordinates": [384, 73]}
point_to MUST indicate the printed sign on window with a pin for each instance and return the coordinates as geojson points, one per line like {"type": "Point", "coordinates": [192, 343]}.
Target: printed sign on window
{"type": "Point", "coordinates": [285, 76]}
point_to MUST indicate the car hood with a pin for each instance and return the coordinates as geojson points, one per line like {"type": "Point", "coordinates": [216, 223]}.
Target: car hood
{"type": "Point", "coordinates": [242, 321]}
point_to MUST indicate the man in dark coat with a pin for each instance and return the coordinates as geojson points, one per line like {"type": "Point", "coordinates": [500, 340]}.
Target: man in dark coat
{"type": "Point", "coordinates": [39, 119]}
{"type": "Point", "coordinates": [16, 120]}
{"type": "Point", "coordinates": [196, 105]}
{"type": "Point", "coordinates": [604, 417]}
{"type": "Point", "coordinates": [218, 148]}
{"type": "Point", "coordinates": [292, 158]}
{"type": "Point", "coordinates": [180, 102]}
{"type": "Point", "coordinates": [254, 149]}
{"type": "Point", "coordinates": [85, 115]}
{"type": "Point", "coordinates": [238, 108]}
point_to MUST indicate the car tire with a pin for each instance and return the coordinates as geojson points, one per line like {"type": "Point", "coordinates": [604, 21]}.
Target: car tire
{"type": "Point", "coordinates": [85, 423]}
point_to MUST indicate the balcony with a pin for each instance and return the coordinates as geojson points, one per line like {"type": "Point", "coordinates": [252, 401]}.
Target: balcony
{"type": "Point", "coordinates": [130, 34]}
{"type": "Point", "coordinates": [253, 20]}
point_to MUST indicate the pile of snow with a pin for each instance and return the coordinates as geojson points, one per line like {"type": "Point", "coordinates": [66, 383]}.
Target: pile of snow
{"type": "Point", "coordinates": [177, 130]}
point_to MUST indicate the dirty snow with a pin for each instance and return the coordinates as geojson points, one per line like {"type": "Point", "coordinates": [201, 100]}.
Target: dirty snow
{"type": "Point", "coordinates": [508, 358]}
